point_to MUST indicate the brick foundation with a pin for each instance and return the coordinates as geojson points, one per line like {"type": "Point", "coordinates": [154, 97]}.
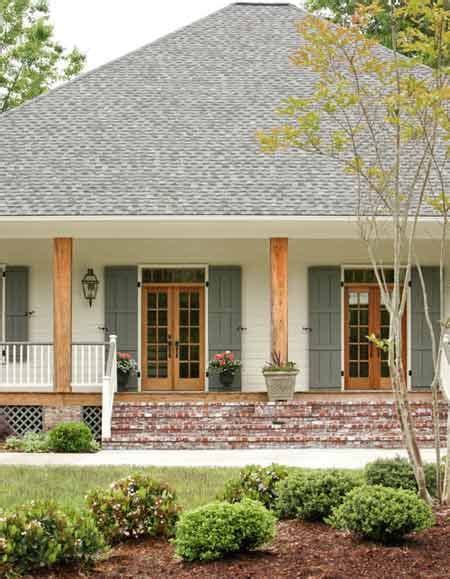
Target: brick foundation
{"type": "Point", "coordinates": [53, 415]}
{"type": "Point", "coordinates": [300, 424]}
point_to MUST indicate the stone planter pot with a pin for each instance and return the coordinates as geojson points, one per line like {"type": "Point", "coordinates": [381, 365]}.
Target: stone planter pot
{"type": "Point", "coordinates": [280, 385]}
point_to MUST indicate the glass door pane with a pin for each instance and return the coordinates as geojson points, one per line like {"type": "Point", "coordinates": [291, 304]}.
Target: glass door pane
{"type": "Point", "coordinates": [358, 315]}
{"type": "Point", "coordinates": [156, 338]}
{"type": "Point", "coordinates": [384, 335]}
{"type": "Point", "coordinates": [189, 346]}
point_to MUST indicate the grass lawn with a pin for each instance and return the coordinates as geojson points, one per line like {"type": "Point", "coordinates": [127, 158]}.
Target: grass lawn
{"type": "Point", "coordinates": [69, 485]}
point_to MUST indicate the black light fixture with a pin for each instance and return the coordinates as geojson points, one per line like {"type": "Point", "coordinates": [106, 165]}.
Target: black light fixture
{"type": "Point", "coordinates": [90, 285]}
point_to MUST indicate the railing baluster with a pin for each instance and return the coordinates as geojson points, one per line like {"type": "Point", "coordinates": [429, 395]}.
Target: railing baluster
{"type": "Point", "coordinates": [34, 365]}
{"type": "Point", "coordinates": [7, 364]}
{"type": "Point", "coordinates": [89, 365]}
{"type": "Point", "coordinates": [14, 365]}
{"type": "Point", "coordinates": [74, 364]}
{"type": "Point", "coordinates": [41, 351]}
{"type": "Point", "coordinates": [48, 365]}
{"type": "Point", "coordinates": [28, 363]}
{"type": "Point", "coordinates": [21, 365]}
{"type": "Point", "coordinates": [97, 352]}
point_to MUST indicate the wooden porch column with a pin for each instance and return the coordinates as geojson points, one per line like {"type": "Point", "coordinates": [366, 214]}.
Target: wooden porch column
{"type": "Point", "coordinates": [279, 295]}
{"type": "Point", "coordinates": [62, 313]}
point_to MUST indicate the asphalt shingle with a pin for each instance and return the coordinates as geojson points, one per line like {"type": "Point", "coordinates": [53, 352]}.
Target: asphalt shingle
{"type": "Point", "coordinates": [169, 129]}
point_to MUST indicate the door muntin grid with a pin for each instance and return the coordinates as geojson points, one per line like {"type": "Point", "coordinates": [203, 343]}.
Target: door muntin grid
{"type": "Point", "coordinates": [189, 332]}
{"type": "Point", "coordinates": [158, 334]}
{"type": "Point", "coordinates": [358, 330]}
{"type": "Point", "coordinates": [384, 335]}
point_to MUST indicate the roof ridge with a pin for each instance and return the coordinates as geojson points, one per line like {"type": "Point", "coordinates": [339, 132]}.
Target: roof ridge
{"type": "Point", "coordinates": [88, 73]}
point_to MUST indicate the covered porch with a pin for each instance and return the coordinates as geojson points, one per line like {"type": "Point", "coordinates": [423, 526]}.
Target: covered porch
{"type": "Point", "coordinates": [245, 287]}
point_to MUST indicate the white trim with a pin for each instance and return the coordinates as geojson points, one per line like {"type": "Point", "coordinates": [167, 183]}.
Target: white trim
{"type": "Point", "coordinates": [125, 217]}
{"type": "Point", "coordinates": [206, 305]}
{"type": "Point", "coordinates": [139, 353]}
{"type": "Point", "coordinates": [342, 330]}
{"type": "Point", "coordinates": [408, 339]}
{"type": "Point", "coordinates": [174, 265]}
{"type": "Point", "coordinates": [3, 304]}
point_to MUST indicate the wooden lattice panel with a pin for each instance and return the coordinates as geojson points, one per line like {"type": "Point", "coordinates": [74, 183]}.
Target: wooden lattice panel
{"type": "Point", "coordinates": [23, 419]}
{"type": "Point", "coordinates": [92, 417]}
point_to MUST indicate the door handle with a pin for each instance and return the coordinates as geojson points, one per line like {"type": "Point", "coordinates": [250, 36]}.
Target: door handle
{"type": "Point", "coordinates": [169, 346]}
{"type": "Point", "coordinates": [177, 345]}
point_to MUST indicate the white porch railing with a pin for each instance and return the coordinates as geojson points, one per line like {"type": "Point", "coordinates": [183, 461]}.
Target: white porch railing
{"type": "Point", "coordinates": [88, 364]}
{"type": "Point", "coordinates": [29, 366]}
{"type": "Point", "coordinates": [109, 388]}
{"type": "Point", "coordinates": [26, 365]}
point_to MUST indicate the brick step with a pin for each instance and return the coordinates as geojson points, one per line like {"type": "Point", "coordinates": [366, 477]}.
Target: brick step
{"type": "Point", "coordinates": [252, 425]}
{"type": "Point", "coordinates": [136, 430]}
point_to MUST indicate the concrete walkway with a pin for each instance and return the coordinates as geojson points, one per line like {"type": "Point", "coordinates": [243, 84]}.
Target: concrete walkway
{"type": "Point", "coordinates": [304, 457]}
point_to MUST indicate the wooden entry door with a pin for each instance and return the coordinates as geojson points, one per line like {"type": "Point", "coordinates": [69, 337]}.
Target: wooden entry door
{"type": "Point", "coordinates": [366, 366]}
{"type": "Point", "coordinates": [173, 337]}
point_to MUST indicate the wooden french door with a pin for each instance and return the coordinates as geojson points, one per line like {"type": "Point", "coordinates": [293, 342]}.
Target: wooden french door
{"type": "Point", "coordinates": [173, 337]}
{"type": "Point", "coordinates": [366, 366]}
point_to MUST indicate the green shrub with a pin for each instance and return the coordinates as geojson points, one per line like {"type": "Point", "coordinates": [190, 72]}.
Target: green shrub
{"type": "Point", "coordinates": [382, 514]}
{"type": "Point", "coordinates": [133, 507]}
{"type": "Point", "coordinates": [312, 495]}
{"type": "Point", "coordinates": [255, 482]}
{"type": "Point", "coordinates": [215, 530]}
{"type": "Point", "coordinates": [30, 442]}
{"type": "Point", "coordinates": [38, 534]}
{"type": "Point", "coordinates": [398, 473]}
{"type": "Point", "coordinates": [71, 437]}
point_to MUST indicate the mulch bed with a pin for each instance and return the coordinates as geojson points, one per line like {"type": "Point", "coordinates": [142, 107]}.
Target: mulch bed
{"type": "Point", "coordinates": [300, 550]}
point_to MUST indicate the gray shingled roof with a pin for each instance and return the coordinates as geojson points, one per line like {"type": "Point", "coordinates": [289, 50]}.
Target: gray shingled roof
{"type": "Point", "coordinates": [169, 129]}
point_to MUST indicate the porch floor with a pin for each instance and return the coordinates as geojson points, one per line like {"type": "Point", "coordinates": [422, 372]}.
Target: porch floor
{"type": "Point", "coordinates": [95, 399]}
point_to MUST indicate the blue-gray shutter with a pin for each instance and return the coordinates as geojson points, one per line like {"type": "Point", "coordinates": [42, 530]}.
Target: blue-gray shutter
{"type": "Point", "coordinates": [324, 295]}
{"type": "Point", "coordinates": [224, 317]}
{"type": "Point", "coordinates": [421, 351]}
{"type": "Point", "coordinates": [121, 307]}
{"type": "Point", "coordinates": [16, 306]}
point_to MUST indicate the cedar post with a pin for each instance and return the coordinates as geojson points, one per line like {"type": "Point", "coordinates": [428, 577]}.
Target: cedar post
{"type": "Point", "coordinates": [279, 295]}
{"type": "Point", "coordinates": [62, 313]}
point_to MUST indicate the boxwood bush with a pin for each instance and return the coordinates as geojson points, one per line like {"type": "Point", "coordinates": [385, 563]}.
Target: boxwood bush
{"type": "Point", "coordinates": [133, 507]}
{"type": "Point", "coordinates": [39, 534]}
{"type": "Point", "coordinates": [218, 529]}
{"type": "Point", "coordinates": [398, 473]}
{"type": "Point", "coordinates": [255, 482]}
{"type": "Point", "coordinates": [382, 514]}
{"type": "Point", "coordinates": [71, 437]}
{"type": "Point", "coordinates": [312, 495]}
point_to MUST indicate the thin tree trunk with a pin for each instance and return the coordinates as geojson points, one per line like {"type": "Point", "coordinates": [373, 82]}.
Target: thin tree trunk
{"type": "Point", "coordinates": [446, 489]}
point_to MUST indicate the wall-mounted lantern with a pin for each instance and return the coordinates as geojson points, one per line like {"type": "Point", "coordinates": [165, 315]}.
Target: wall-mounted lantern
{"type": "Point", "coordinates": [90, 285]}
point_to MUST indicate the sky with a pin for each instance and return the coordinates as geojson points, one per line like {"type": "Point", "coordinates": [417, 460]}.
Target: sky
{"type": "Point", "coordinates": [107, 29]}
